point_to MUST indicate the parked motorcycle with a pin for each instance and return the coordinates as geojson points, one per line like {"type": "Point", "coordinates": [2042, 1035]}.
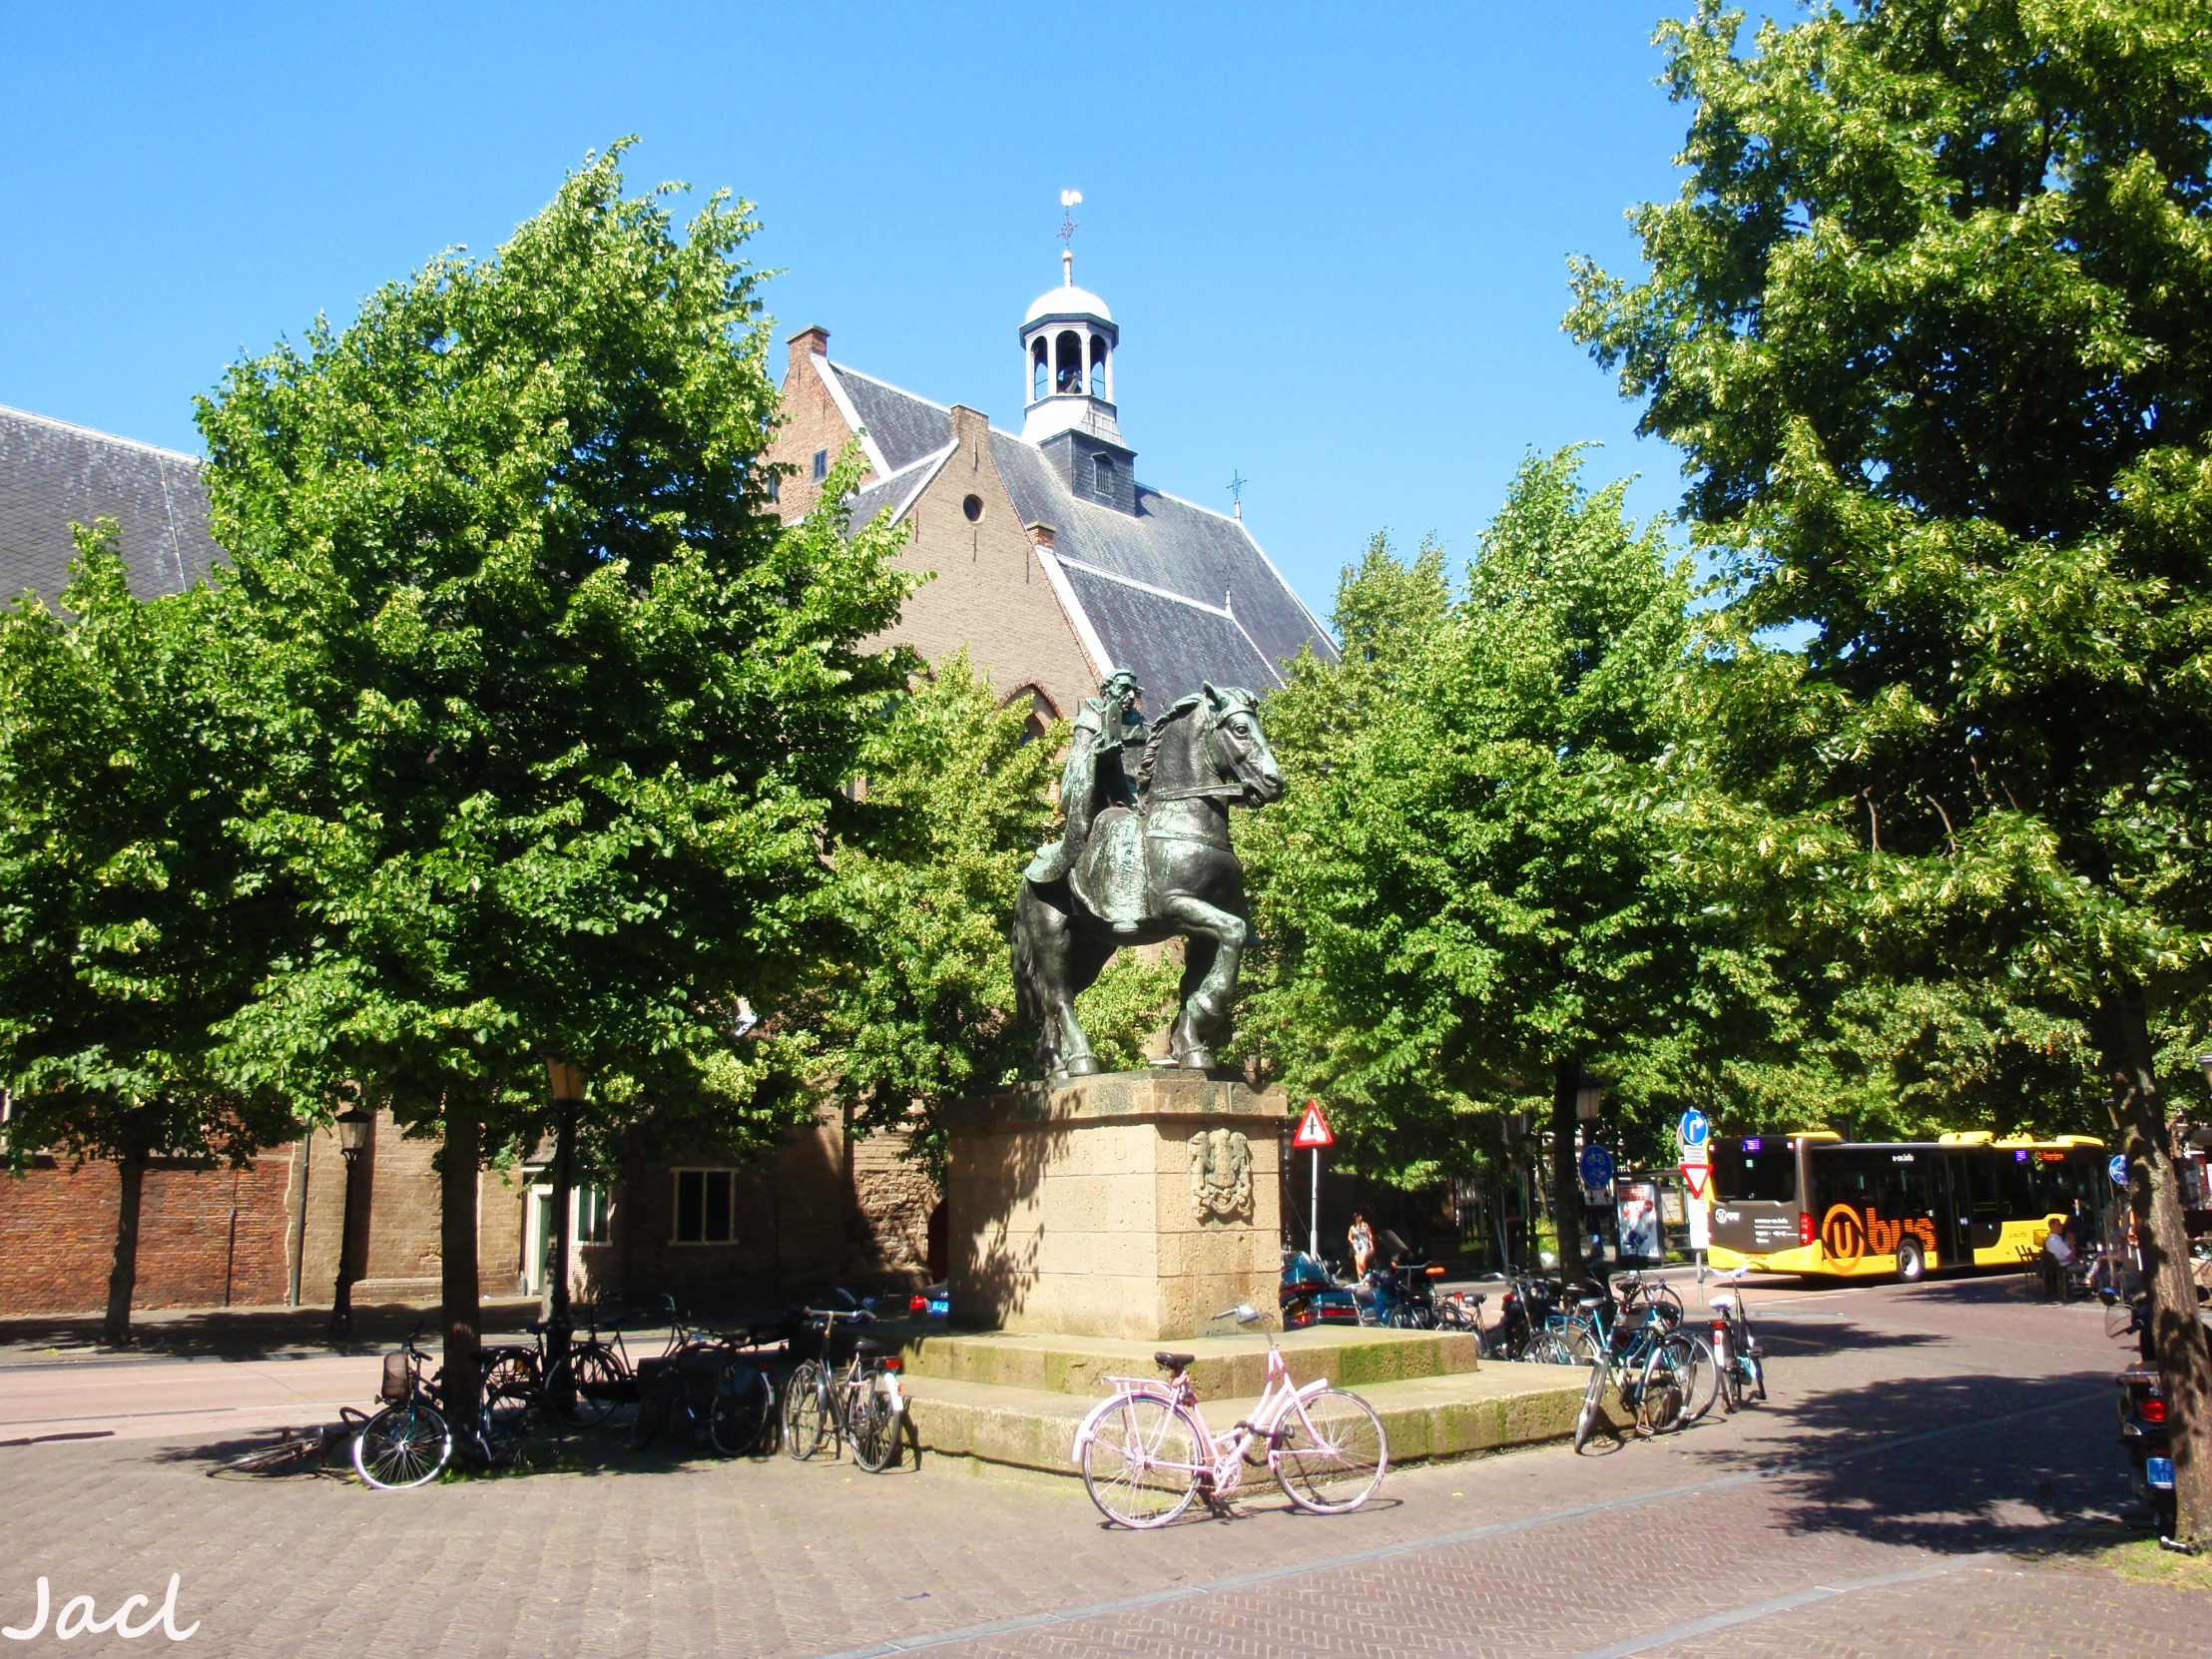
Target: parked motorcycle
{"type": "Point", "coordinates": [2146, 1434]}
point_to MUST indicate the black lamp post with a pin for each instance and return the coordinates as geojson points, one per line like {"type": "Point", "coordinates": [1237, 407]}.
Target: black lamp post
{"type": "Point", "coordinates": [353, 1127]}
{"type": "Point", "coordinates": [565, 1080]}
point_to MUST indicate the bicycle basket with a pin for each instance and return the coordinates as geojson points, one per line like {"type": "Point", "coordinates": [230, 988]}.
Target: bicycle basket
{"type": "Point", "coordinates": [395, 1376]}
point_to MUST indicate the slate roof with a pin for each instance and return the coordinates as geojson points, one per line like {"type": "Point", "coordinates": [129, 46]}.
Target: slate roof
{"type": "Point", "coordinates": [53, 474]}
{"type": "Point", "coordinates": [1179, 594]}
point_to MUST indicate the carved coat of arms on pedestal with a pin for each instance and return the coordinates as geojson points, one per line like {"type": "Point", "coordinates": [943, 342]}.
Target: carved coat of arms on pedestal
{"type": "Point", "coordinates": [1221, 1173]}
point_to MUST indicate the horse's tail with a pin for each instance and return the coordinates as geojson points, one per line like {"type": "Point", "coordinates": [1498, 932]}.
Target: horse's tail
{"type": "Point", "coordinates": [1030, 1000]}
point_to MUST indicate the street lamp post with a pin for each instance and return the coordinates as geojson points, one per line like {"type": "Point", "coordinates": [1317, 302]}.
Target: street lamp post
{"type": "Point", "coordinates": [565, 1081]}
{"type": "Point", "coordinates": [352, 1127]}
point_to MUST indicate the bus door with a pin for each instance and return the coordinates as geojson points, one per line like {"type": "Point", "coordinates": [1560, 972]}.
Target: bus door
{"type": "Point", "coordinates": [1976, 1211]}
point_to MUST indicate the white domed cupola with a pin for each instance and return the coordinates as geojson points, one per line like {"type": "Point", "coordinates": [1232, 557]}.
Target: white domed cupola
{"type": "Point", "coordinates": [1068, 343]}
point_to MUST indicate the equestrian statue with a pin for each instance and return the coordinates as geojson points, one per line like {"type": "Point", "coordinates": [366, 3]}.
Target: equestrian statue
{"type": "Point", "coordinates": [1144, 857]}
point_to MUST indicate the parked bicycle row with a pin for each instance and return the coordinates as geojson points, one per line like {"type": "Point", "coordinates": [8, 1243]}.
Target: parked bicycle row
{"type": "Point", "coordinates": [721, 1388]}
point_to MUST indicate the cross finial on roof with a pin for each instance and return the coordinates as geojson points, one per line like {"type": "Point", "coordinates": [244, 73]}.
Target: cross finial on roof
{"type": "Point", "coordinates": [1069, 199]}
{"type": "Point", "coordinates": [1236, 492]}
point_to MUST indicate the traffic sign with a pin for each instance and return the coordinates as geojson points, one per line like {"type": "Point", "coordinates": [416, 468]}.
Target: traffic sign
{"type": "Point", "coordinates": [1694, 1176]}
{"type": "Point", "coordinates": [1312, 1129]}
{"type": "Point", "coordinates": [2118, 1169]}
{"type": "Point", "coordinates": [1694, 1129]}
{"type": "Point", "coordinates": [1597, 1167]}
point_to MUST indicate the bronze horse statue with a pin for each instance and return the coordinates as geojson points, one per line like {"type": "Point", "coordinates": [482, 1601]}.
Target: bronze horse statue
{"type": "Point", "coordinates": [1144, 860]}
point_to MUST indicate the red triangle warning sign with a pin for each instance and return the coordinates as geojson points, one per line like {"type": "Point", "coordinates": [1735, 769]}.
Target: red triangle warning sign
{"type": "Point", "coordinates": [1695, 1176]}
{"type": "Point", "coordinates": [1312, 1128]}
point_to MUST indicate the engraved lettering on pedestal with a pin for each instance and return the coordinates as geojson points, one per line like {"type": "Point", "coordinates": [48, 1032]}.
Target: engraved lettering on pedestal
{"type": "Point", "coordinates": [1221, 1173]}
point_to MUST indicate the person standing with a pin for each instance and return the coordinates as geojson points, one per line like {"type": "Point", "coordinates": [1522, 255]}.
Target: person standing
{"type": "Point", "coordinates": [1362, 1241]}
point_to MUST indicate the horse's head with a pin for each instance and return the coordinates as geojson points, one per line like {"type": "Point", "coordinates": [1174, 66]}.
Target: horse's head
{"type": "Point", "coordinates": [1238, 746]}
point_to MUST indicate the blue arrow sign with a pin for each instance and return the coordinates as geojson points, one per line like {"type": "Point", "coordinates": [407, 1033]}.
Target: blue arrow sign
{"type": "Point", "coordinates": [1694, 1129]}
{"type": "Point", "coordinates": [1598, 1166]}
{"type": "Point", "coordinates": [2118, 1169]}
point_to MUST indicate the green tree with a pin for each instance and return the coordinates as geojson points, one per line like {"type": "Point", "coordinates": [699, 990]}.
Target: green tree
{"type": "Point", "coordinates": [1472, 883]}
{"type": "Point", "coordinates": [558, 716]}
{"type": "Point", "coordinates": [1931, 318]}
{"type": "Point", "coordinates": [130, 927]}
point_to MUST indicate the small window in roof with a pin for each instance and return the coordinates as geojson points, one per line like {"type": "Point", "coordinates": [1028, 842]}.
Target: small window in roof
{"type": "Point", "coordinates": [1102, 476]}
{"type": "Point", "coordinates": [822, 465]}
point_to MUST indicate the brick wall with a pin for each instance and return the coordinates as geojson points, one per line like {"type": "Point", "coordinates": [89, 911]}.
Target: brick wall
{"type": "Point", "coordinates": [809, 421]}
{"type": "Point", "coordinates": [206, 1238]}
{"type": "Point", "coordinates": [892, 1197]}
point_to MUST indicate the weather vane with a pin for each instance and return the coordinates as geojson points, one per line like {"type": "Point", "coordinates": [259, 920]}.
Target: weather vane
{"type": "Point", "coordinates": [1237, 483]}
{"type": "Point", "coordinates": [1069, 199]}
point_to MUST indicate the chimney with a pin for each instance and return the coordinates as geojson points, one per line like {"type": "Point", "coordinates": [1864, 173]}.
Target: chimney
{"type": "Point", "coordinates": [811, 341]}
{"type": "Point", "coordinates": [971, 430]}
{"type": "Point", "coordinates": [1040, 533]}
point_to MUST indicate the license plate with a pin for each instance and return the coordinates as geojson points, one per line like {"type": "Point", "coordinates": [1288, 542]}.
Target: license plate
{"type": "Point", "coordinates": [2159, 1471]}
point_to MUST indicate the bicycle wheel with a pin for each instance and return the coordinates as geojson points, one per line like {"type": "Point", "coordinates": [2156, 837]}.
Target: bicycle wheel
{"type": "Point", "coordinates": [656, 1399]}
{"type": "Point", "coordinates": [806, 1410]}
{"type": "Point", "coordinates": [1703, 1385]}
{"type": "Point", "coordinates": [874, 1429]}
{"type": "Point", "coordinates": [1142, 1460]}
{"type": "Point", "coordinates": [1586, 1420]}
{"type": "Point", "coordinates": [592, 1377]}
{"type": "Point", "coordinates": [1550, 1348]}
{"type": "Point", "coordinates": [741, 1409]}
{"type": "Point", "coordinates": [1332, 1453]}
{"type": "Point", "coordinates": [510, 1402]}
{"type": "Point", "coordinates": [1731, 1385]}
{"type": "Point", "coordinates": [402, 1446]}
{"type": "Point", "coordinates": [1664, 1390]}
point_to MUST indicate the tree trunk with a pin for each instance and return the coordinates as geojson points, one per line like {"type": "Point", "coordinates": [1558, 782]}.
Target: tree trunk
{"type": "Point", "coordinates": [457, 1166]}
{"type": "Point", "coordinates": [123, 1272]}
{"type": "Point", "coordinates": [1566, 1174]}
{"type": "Point", "coordinates": [2177, 1333]}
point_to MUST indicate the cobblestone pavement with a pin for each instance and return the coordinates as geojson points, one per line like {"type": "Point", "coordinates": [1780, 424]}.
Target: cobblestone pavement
{"type": "Point", "coordinates": [1923, 1449]}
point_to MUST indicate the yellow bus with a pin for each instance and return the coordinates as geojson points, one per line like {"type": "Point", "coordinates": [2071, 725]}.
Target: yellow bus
{"type": "Point", "coordinates": [1813, 1203]}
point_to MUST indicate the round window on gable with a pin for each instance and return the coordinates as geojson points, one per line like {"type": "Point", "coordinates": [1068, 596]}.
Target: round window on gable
{"type": "Point", "coordinates": [973, 507]}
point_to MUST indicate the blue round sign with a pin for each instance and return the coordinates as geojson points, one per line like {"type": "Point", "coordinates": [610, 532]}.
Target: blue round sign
{"type": "Point", "coordinates": [1694, 1129]}
{"type": "Point", "coordinates": [1598, 1166]}
{"type": "Point", "coordinates": [2118, 1169]}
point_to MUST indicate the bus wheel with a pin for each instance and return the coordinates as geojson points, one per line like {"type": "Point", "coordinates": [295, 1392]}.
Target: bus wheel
{"type": "Point", "coordinates": [1911, 1262]}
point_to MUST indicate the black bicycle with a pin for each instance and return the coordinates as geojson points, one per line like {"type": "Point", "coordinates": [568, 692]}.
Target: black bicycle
{"type": "Point", "coordinates": [411, 1440]}
{"type": "Point", "coordinates": [719, 1382]}
{"type": "Point", "coordinates": [861, 1403]}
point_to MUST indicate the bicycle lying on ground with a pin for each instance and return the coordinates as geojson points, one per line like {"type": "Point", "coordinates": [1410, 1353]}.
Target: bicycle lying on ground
{"type": "Point", "coordinates": [296, 1447]}
{"type": "Point", "coordinates": [1146, 1451]}
{"type": "Point", "coordinates": [861, 1403]}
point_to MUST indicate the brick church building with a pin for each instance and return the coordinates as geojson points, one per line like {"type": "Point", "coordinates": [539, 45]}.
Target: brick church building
{"type": "Point", "coordinates": [1050, 562]}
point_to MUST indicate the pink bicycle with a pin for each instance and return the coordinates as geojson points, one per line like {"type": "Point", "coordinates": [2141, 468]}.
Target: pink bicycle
{"type": "Point", "coordinates": [1146, 1451]}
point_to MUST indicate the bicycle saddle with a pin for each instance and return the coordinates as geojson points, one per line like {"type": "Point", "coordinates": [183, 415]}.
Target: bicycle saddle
{"type": "Point", "coordinates": [864, 1345]}
{"type": "Point", "coordinates": [1591, 1303]}
{"type": "Point", "coordinates": [1174, 1361]}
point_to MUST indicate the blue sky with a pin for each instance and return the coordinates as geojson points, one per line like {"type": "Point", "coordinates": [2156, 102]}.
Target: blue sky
{"type": "Point", "coordinates": [1335, 237]}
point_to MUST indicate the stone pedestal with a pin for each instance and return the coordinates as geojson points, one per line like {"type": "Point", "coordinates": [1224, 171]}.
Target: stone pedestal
{"type": "Point", "coordinates": [1134, 1205]}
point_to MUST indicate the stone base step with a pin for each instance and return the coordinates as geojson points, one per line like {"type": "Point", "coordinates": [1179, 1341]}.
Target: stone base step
{"type": "Point", "coordinates": [1226, 1368]}
{"type": "Point", "coordinates": [1503, 1404]}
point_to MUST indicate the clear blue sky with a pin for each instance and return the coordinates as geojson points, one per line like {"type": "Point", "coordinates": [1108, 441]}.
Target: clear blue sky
{"type": "Point", "coordinates": [1335, 237]}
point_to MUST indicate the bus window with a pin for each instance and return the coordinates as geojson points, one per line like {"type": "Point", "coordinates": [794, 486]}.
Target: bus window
{"type": "Point", "coordinates": [1761, 1170]}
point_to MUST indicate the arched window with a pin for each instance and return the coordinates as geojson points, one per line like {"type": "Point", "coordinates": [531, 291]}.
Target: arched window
{"type": "Point", "coordinates": [1068, 373]}
{"type": "Point", "coordinates": [1098, 366]}
{"type": "Point", "coordinates": [1040, 377]}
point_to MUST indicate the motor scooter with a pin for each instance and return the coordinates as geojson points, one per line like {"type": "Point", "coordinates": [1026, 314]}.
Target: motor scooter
{"type": "Point", "coordinates": [2146, 1433]}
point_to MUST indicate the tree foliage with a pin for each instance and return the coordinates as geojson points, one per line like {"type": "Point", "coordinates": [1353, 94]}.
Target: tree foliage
{"type": "Point", "coordinates": [1473, 890]}
{"type": "Point", "coordinates": [1931, 318]}
{"type": "Point", "coordinates": [131, 925]}
{"type": "Point", "coordinates": [558, 718]}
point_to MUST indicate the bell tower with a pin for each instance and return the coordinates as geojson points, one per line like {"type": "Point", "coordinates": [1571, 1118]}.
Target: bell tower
{"type": "Point", "coordinates": [1068, 345]}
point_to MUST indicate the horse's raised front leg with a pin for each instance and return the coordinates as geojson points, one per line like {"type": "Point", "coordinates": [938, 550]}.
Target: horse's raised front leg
{"type": "Point", "coordinates": [1204, 1009]}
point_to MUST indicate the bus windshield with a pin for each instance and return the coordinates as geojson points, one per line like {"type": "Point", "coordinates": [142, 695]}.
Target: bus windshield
{"type": "Point", "coordinates": [1756, 1170]}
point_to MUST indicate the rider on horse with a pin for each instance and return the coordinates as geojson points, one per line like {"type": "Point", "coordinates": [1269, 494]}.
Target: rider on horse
{"type": "Point", "coordinates": [1095, 782]}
